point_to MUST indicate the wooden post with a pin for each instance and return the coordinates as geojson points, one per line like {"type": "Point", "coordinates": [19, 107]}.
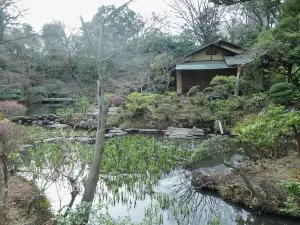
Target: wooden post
{"type": "Point", "coordinates": [237, 83]}
{"type": "Point", "coordinates": [179, 82]}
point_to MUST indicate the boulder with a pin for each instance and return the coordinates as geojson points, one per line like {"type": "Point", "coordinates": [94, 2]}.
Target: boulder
{"type": "Point", "coordinates": [184, 133]}
{"type": "Point", "coordinates": [24, 148]}
{"type": "Point", "coordinates": [59, 126]}
{"type": "Point", "coordinates": [149, 131]}
{"type": "Point", "coordinates": [208, 176]}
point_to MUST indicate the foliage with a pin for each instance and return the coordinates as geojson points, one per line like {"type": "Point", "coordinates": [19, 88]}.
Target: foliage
{"type": "Point", "coordinates": [227, 81]}
{"type": "Point", "coordinates": [225, 109]}
{"type": "Point", "coordinates": [280, 44]}
{"type": "Point", "coordinates": [268, 130]}
{"type": "Point", "coordinates": [83, 105]}
{"type": "Point", "coordinates": [293, 188]}
{"type": "Point", "coordinates": [12, 108]}
{"type": "Point", "coordinates": [217, 145]}
{"type": "Point", "coordinates": [255, 103]}
{"type": "Point", "coordinates": [193, 91]}
{"type": "Point", "coordinates": [282, 93]}
{"type": "Point", "coordinates": [9, 137]}
{"type": "Point", "coordinates": [13, 94]}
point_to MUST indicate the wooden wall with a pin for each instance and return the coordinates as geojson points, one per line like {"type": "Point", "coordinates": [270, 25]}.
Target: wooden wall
{"type": "Point", "coordinates": [202, 77]}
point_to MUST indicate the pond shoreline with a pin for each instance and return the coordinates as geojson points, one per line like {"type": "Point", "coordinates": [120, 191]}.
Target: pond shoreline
{"type": "Point", "coordinates": [232, 188]}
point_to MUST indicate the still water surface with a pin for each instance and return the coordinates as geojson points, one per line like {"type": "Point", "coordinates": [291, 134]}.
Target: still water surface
{"type": "Point", "coordinates": [202, 205]}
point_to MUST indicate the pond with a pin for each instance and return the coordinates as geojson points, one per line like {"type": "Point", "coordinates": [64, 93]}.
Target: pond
{"type": "Point", "coordinates": [39, 109]}
{"type": "Point", "coordinates": [168, 193]}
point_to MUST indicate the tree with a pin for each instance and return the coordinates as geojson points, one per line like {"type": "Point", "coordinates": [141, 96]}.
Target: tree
{"type": "Point", "coordinates": [9, 18]}
{"type": "Point", "coordinates": [281, 44]}
{"type": "Point", "coordinates": [282, 93]}
{"type": "Point", "coordinates": [61, 48]}
{"type": "Point", "coordinates": [229, 2]}
{"type": "Point", "coordinates": [200, 17]}
{"type": "Point", "coordinates": [161, 69]}
{"type": "Point", "coordinates": [99, 58]}
{"type": "Point", "coordinates": [270, 129]}
{"type": "Point", "coordinates": [8, 143]}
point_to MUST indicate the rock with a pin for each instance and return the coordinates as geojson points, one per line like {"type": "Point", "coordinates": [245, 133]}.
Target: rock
{"type": "Point", "coordinates": [84, 140]}
{"type": "Point", "coordinates": [113, 111]}
{"type": "Point", "coordinates": [24, 148]}
{"type": "Point", "coordinates": [132, 131]}
{"type": "Point", "coordinates": [206, 177]}
{"type": "Point", "coordinates": [237, 161]}
{"type": "Point", "coordinates": [149, 131]}
{"type": "Point", "coordinates": [117, 132]}
{"type": "Point", "coordinates": [56, 139]}
{"type": "Point", "coordinates": [184, 133]}
{"type": "Point", "coordinates": [108, 135]}
{"type": "Point", "coordinates": [59, 126]}
{"type": "Point", "coordinates": [20, 119]}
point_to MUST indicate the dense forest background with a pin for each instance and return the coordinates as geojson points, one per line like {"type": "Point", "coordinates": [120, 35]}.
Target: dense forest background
{"type": "Point", "coordinates": [140, 53]}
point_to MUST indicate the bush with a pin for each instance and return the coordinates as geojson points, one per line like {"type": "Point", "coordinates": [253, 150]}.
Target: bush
{"type": "Point", "coordinates": [167, 110]}
{"type": "Point", "coordinates": [255, 103]}
{"type": "Point", "coordinates": [12, 94]}
{"type": "Point", "coordinates": [35, 93]}
{"type": "Point", "coordinates": [228, 82]}
{"type": "Point", "coordinates": [193, 91]}
{"type": "Point", "coordinates": [51, 89]}
{"type": "Point", "coordinates": [282, 93]}
{"type": "Point", "coordinates": [143, 98]}
{"type": "Point", "coordinates": [11, 108]}
{"type": "Point", "coordinates": [9, 137]}
{"type": "Point", "coordinates": [220, 145]}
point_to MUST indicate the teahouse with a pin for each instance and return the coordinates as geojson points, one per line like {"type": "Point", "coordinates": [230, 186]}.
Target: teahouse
{"type": "Point", "coordinates": [201, 66]}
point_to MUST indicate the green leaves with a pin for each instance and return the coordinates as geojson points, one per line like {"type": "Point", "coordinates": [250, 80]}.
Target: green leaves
{"type": "Point", "coordinates": [282, 93]}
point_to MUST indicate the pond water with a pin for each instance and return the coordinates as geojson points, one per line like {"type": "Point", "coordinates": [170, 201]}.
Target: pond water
{"type": "Point", "coordinates": [39, 109]}
{"type": "Point", "coordinates": [185, 205]}
{"type": "Point", "coordinates": [175, 185]}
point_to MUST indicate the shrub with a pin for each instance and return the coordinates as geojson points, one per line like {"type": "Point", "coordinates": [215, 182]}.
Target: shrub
{"type": "Point", "coordinates": [226, 109]}
{"type": "Point", "coordinates": [220, 145]}
{"type": "Point", "coordinates": [282, 93]}
{"type": "Point", "coordinates": [12, 94]}
{"type": "Point", "coordinates": [167, 110]}
{"type": "Point", "coordinates": [82, 105]}
{"type": "Point", "coordinates": [193, 91]}
{"type": "Point", "coordinates": [254, 103]}
{"type": "Point", "coordinates": [228, 82]}
{"type": "Point", "coordinates": [11, 108]}
{"type": "Point", "coordinates": [143, 98]}
{"type": "Point", "coordinates": [37, 92]}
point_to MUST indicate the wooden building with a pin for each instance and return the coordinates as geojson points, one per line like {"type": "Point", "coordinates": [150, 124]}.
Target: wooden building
{"type": "Point", "coordinates": [201, 66]}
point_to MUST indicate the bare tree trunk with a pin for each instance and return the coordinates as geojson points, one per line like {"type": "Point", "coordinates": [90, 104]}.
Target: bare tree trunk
{"type": "Point", "coordinates": [3, 189]}
{"type": "Point", "coordinates": [237, 83]}
{"type": "Point", "coordinates": [297, 137]}
{"type": "Point", "coordinates": [93, 178]}
{"type": "Point", "coordinates": [289, 73]}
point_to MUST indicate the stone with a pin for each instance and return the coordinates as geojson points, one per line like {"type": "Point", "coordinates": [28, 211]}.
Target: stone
{"type": "Point", "coordinates": [24, 148]}
{"type": "Point", "coordinates": [184, 133]}
{"type": "Point", "coordinates": [84, 140]}
{"type": "Point", "coordinates": [113, 111]}
{"type": "Point", "coordinates": [149, 131]}
{"type": "Point", "coordinates": [132, 131]}
{"type": "Point", "coordinates": [46, 122]}
{"type": "Point", "coordinates": [59, 126]}
{"type": "Point", "coordinates": [206, 176]}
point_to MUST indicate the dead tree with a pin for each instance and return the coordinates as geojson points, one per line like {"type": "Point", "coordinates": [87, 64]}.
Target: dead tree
{"type": "Point", "coordinates": [98, 53]}
{"type": "Point", "coordinates": [201, 16]}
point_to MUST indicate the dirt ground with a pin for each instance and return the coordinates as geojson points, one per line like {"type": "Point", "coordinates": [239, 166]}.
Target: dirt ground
{"type": "Point", "coordinates": [26, 206]}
